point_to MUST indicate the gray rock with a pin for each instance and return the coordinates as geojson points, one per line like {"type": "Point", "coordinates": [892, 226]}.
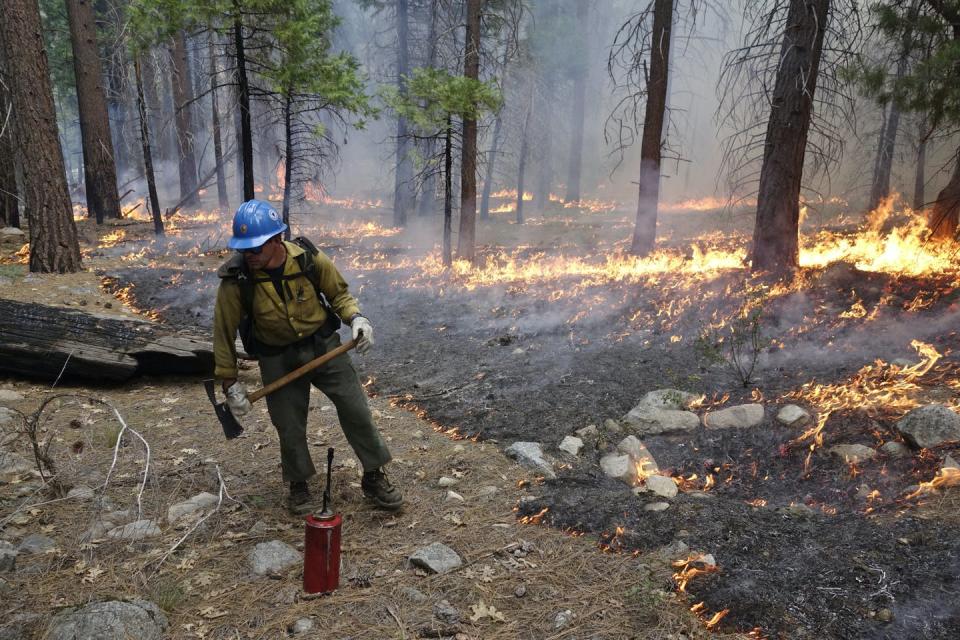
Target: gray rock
{"type": "Point", "coordinates": [453, 496]}
{"type": "Point", "coordinates": [799, 510]}
{"type": "Point", "coordinates": [413, 595]}
{"type": "Point", "coordinates": [612, 427]}
{"type": "Point", "coordinates": [950, 463]}
{"type": "Point", "coordinates": [853, 453]}
{"type": "Point", "coordinates": [36, 544]}
{"type": "Point", "coordinates": [8, 395]}
{"type": "Point", "coordinates": [19, 626]}
{"type": "Point", "coordinates": [12, 232]}
{"type": "Point", "coordinates": [436, 558]}
{"type": "Point", "coordinates": [739, 417]}
{"type": "Point", "coordinates": [571, 445]}
{"type": "Point", "coordinates": [272, 557]}
{"type": "Point", "coordinates": [187, 508]}
{"type": "Point", "coordinates": [137, 530]}
{"type": "Point", "coordinates": [656, 506]}
{"type": "Point", "coordinates": [620, 467]}
{"type": "Point", "coordinates": [530, 454]}
{"type": "Point", "coordinates": [587, 432]}
{"type": "Point", "coordinates": [7, 415]}
{"type": "Point", "coordinates": [644, 420]}
{"type": "Point", "coordinates": [638, 452]}
{"type": "Point", "coordinates": [303, 625]}
{"type": "Point", "coordinates": [446, 612]}
{"type": "Point", "coordinates": [446, 481]}
{"type": "Point", "coordinates": [895, 449]}
{"type": "Point", "coordinates": [114, 620]}
{"type": "Point", "coordinates": [97, 531]}
{"type": "Point", "coordinates": [668, 399]}
{"type": "Point", "coordinates": [487, 491]}
{"type": "Point", "coordinates": [930, 426]}
{"type": "Point", "coordinates": [674, 550]}
{"type": "Point", "coordinates": [662, 486]}
{"type": "Point", "coordinates": [8, 557]}
{"type": "Point", "coordinates": [792, 415]}
{"type": "Point", "coordinates": [562, 619]}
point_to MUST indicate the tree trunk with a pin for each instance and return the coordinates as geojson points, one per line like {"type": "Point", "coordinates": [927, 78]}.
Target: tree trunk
{"type": "Point", "coordinates": [245, 150]}
{"type": "Point", "coordinates": [428, 194]}
{"type": "Point", "coordinates": [522, 163]}
{"type": "Point", "coordinates": [53, 234]}
{"type": "Point", "coordinates": [881, 180]}
{"type": "Point", "coordinates": [580, 104]}
{"type": "Point", "coordinates": [466, 241]}
{"type": "Point", "coordinates": [946, 208]}
{"type": "Point", "coordinates": [403, 172]}
{"type": "Point", "coordinates": [287, 164]}
{"type": "Point", "coordinates": [920, 180]}
{"type": "Point", "coordinates": [9, 194]}
{"type": "Point", "coordinates": [222, 198]}
{"type": "Point", "coordinates": [491, 168]}
{"type": "Point", "coordinates": [648, 193]}
{"type": "Point", "coordinates": [99, 169]}
{"type": "Point", "coordinates": [182, 100]}
{"type": "Point", "coordinates": [145, 146]}
{"type": "Point", "coordinates": [448, 194]}
{"type": "Point", "coordinates": [776, 241]}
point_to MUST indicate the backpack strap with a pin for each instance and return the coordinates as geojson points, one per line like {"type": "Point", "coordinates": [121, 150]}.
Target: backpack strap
{"type": "Point", "coordinates": [309, 268]}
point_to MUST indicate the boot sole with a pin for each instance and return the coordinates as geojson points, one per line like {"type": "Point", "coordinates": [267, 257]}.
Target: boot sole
{"type": "Point", "coordinates": [388, 506]}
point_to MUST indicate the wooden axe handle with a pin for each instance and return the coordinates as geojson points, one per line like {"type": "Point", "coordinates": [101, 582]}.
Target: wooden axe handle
{"type": "Point", "coordinates": [305, 369]}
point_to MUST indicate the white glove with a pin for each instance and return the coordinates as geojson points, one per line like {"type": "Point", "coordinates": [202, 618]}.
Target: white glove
{"type": "Point", "coordinates": [237, 399]}
{"type": "Point", "coordinates": [362, 333]}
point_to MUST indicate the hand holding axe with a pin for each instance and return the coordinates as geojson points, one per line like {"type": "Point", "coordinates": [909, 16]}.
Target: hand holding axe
{"type": "Point", "coordinates": [232, 428]}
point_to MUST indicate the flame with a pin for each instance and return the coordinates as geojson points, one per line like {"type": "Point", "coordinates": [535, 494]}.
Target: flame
{"type": "Point", "coordinates": [536, 518]}
{"type": "Point", "coordinates": [512, 194]}
{"type": "Point", "coordinates": [946, 477]}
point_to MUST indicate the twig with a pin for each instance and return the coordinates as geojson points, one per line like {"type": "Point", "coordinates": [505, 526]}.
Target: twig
{"type": "Point", "coordinates": [65, 362]}
{"type": "Point", "coordinates": [403, 634]}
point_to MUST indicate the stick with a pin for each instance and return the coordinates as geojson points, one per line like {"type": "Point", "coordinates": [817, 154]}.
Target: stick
{"type": "Point", "coordinates": [305, 369]}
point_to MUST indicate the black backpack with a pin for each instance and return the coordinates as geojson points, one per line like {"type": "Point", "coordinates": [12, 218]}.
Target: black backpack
{"type": "Point", "coordinates": [308, 269]}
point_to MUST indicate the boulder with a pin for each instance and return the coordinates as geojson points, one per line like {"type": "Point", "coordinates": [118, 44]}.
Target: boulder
{"type": "Point", "coordinates": [739, 417]}
{"type": "Point", "coordinates": [656, 506]}
{"type": "Point", "coordinates": [35, 544]}
{"type": "Point", "coordinates": [668, 399]}
{"type": "Point", "coordinates": [644, 420]}
{"type": "Point", "coordinates": [446, 612]}
{"type": "Point", "coordinates": [187, 508]}
{"type": "Point", "coordinates": [620, 467]}
{"type": "Point", "coordinates": [662, 486]}
{"type": "Point", "coordinates": [530, 455]}
{"type": "Point", "coordinates": [436, 558]}
{"type": "Point", "coordinates": [930, 426]}
{"type": "Point", "coordinates": [272, 557]}
{"type": "Point", "coordinates": [571, 445]}
{"type": "Point", "coordinates": [7, 415]}
{"type": "Point", "coordinates": [113, 620]}
{"type": "Point", "coordinates": [853, 453]}
{"type": "Point", "coordinates": [795, 416]}
{"type": "Point", "coordinates": [587, 432]}
{"type": "Point", "coordinates": [137, 530]}
{"type": "Point", "coordinates": [301, 626]}
{"type": "Point", "coordinates": [638, 452]}
{"type": "Point", "coordinates": [8, 557]}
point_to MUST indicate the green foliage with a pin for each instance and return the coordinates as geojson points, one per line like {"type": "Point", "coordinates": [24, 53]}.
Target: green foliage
{"type": "Point", "coordinates": [434, 94]}
{"type": "Point", "coordinates": [738, 343]}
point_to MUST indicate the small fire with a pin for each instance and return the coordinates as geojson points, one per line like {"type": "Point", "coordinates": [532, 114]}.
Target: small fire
{"type": "Point", "coordinates": [946, 477]}
{"type": "Point", "coordinates": [512, 194]}
{"type": "Point", "coordinates": [536, 518]}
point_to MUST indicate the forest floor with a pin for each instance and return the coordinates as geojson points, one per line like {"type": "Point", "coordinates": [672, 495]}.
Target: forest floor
{"type": "Point", "coordinates": [556, 331]}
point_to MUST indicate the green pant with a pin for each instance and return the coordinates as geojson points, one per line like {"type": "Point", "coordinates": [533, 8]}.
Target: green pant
{"type": "Point", "coordinates": [288, 406]}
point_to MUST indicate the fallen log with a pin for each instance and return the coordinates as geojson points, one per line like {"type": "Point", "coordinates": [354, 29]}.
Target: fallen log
{"type": "Point", "coordinates": [47, 343]}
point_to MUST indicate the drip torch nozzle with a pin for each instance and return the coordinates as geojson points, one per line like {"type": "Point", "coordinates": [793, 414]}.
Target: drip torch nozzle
{"type": "Point", "coordinates": [326, 492]}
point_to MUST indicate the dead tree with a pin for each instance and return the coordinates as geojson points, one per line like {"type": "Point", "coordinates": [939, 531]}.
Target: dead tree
{"type": "Point", "coordinates": [154, 200]}
{"type": "Point", "coordinates": [183, 99]}
{"type": "Point", "coordinates": [222, 198]}
{"type": "Point", "coordinates": [575, 161]}
{"type": "Point", "coordinates": [99, 168]}
{"type": "Point", "coordinates": [466, 242]}
{"type": "Point", "coordinates": [53, 234]}
{"type": "Point", "coordinates": [245, 131]}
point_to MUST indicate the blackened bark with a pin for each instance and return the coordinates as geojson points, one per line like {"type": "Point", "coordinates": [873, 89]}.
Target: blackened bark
{"type": "Point", "coordinates": [99, 169]}
{"type": "Point", "coordinates": [776, 241]}
{"type": "Point", "coordinates": [245, 150]}
{"type": "Point", "coordinates": [182, 100]}
{"type": "Point", "coordinates": [403, 172]}
{"type": "Point", "coordinates": [9, 203]}
{"type": "Point", "coordinates": [579, 107]}
{"type": "Point", "coordinates": [466, 241]}
{"type": "Point", "coordinates": [145, 146]}
{"type": "Point", "coordinates": [53, 234]}
{"type": "Point", "coordinates": [222, 198]}
{"type": "Point", "coordinates": [944, 218]}
{"type": "Point", "coordinates": [448, 194]}
{"type": "Point", "coordinates": [648, 195]}
{"type": "Point", "coordinates": [288, 163]}
{"type": "Point", "coordinates": [920, 180]}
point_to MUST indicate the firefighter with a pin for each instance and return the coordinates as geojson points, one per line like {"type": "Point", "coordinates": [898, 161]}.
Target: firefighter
{"type": "Point", "coordinates": [287, 300]}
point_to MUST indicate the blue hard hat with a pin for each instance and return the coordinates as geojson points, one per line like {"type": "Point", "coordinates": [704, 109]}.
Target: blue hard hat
{"type": "Point", "coordinates": [254, 223]}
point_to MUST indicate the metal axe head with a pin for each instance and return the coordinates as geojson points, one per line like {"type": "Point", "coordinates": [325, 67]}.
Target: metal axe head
{"type": "Point", "coordinates": [231, 428]}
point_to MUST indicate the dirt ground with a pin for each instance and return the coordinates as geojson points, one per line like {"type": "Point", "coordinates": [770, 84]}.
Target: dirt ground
{"type": "Point", "coordinates": [801, 552]}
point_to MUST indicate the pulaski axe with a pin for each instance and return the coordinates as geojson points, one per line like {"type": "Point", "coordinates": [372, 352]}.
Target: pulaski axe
{"type": "Point", "coordinates": [232, 428]}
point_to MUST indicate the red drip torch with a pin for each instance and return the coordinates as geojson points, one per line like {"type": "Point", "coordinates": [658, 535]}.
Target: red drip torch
{"type": "Point", "coordinates": [321, 549]}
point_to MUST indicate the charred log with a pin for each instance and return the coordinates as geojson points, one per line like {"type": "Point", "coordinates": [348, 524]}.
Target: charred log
{"type": "Point", "coordinates": [42, 342]}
